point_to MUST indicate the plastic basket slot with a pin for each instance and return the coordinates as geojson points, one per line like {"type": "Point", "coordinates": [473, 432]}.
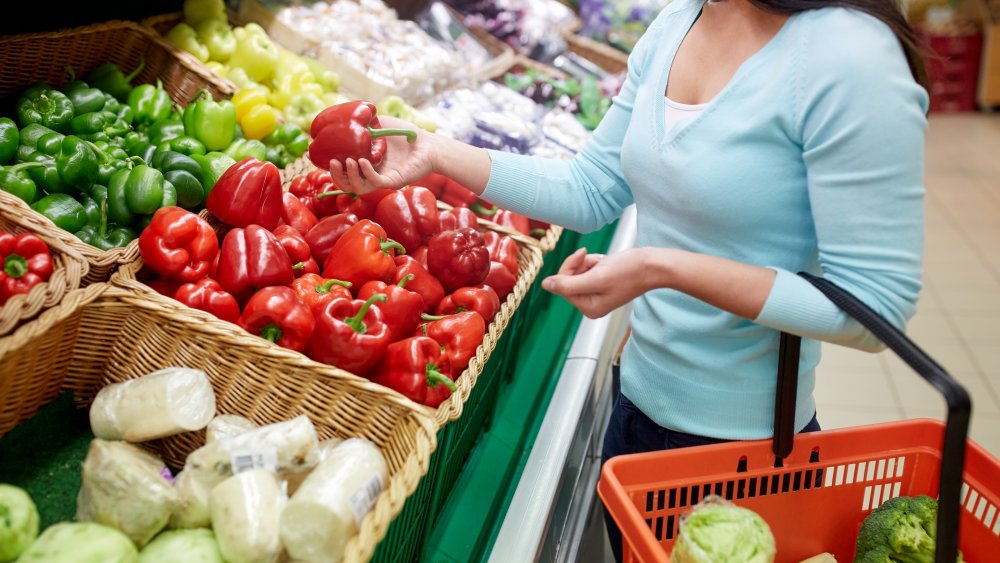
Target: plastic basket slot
{"type": "Point", "coordinates": [988, 518]}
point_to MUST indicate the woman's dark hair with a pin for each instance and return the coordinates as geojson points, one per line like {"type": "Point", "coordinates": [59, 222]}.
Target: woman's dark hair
{"type": "Point", "coordinates": [886, 11]}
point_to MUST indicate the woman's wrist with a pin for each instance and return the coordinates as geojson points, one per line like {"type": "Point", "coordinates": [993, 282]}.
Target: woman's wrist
{"type": "Point", "coordinates": [659, 267]}
{"type": "Point", "coordinates": [464, 163]}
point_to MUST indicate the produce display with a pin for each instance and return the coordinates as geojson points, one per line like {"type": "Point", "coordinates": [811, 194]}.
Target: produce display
{"type": "Point", "coordinates": [525, 25]}
{"type": "Point", "coordinates": [26, 262]}
{"type": "Point", "coordinates": [617, 22]}
{"type": "Point", "coordinates": [587, 99]}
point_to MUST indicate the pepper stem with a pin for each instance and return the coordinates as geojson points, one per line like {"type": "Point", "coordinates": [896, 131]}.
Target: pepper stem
{"type": "Point", "coordinates": [406, 279]}
{"type": "Point", "coordinates": [357, 321]}
{"type": "Point", "coordinates": [480, 209]}
{"type": "Point", "coordinates": [426, 317]}
{"type": "Point", "coordinates": [299, 266]}
{"type": "Point", "coordinates": [388, 243]}
{"type": "Point", "coordinates": [271, 332]}
{"type": "Point", "coordinates": [336, 193]}
{"type": "Point", "coordinates": [435, 377]}
{"type": "Point", "coordinates": [326, 287]}
{"type": "Point", "coordinates": [72, 73]}
{"type": "Point", "coordinates": [201, 94]}
{"type": "Point", "coordinates": [537, 232]}
{"type": "Point", "coordinates": [138, 69]}
{"type": "Point", "coordinates": [15, 265]}
{"type": "Point", "coordinates": [102, 229]}
{"type": "Point", "coordinates": [24, 165]}
{"type": "Point", "coordinates": [410, 134]}
{"type": "Point", "coordinates": [100, 152]}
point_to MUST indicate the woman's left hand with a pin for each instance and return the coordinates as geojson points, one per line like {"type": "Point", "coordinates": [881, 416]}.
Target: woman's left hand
{"type": "Point", "coordinates": [597, 284]}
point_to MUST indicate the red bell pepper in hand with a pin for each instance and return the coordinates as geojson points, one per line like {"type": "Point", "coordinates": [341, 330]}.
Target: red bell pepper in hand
{"type": "Point", "coordinates": [308, 186]}
{"type": "Point", "coordinates": [402, 307]}
{"type": "Point", "coordinates": [295, 214]}
{"type": "Point", "coordinates": [247, 193]}
{"type": "Point", "coordinates": [417, 368]}
{"type": "Point", "coordinates": [429, 288]}
{"type": "Point", "coordinates": [481, 299]}
{"type": "Point", "coordinates": [457, 218]}
{"type": "Point", "coordinates": [25, 261]}
{"type": "Point", "coordinates": [460, 334]}
{"type": "Point", "coordinates": [178, 244]}
{"type": "Point", "coordinates": [350, 130]}
{"type": "Point", "coordinates": [325, 234]}
{"type": "Point", "coordinates": [350, 334]}
{"type": "Point", "coordinates": [253, 258]}
{"type": "Point", "coordinates": [362, 254]}
{"type": "Point", "coordinates": [361, 205]}
{"type": "Point", "coordinates": [298, 251]}
{"type": "Point", "coordinates": [316, 291]}
{"type": "Point", "coordinates": [503, 263]}
{"type": "Point", "coordinates": [277, 314]}
{"type": "Point", "coordinates": [458, 258]}
{"type": "Point", "coordinates": [409, 216]}
{"type": "Point", "coordinates": [207, 295]}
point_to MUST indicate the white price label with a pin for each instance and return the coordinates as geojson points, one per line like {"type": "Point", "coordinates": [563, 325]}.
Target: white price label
{"type": "Point", "coordinates": [364, 498]}
{"type": "Point", "coordinates": [260, 458]}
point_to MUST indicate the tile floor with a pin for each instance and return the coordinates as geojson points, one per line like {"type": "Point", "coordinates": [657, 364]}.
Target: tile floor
{"type": "Point", "coordinates": [958, 318]}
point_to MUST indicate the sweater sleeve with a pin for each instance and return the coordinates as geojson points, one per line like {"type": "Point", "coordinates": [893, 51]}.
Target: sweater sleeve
{"type": "Point", "coordinates": [588, 191]}
{"type": "Point", "coordinates": [862, 120]}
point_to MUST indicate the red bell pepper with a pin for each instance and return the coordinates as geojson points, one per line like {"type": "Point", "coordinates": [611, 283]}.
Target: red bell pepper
{"type": "Point", "coordinates": [350, 334]}
{"type": "Point", "coordinates": [362, 254]}
{"type": "Point", "coordinates": [503, 263]}
{"type": "Point", "coordinates": [460, 335]}
{"type": "Point", "coordinates": [458, 258]}
{"type": "Point", "coordinates": [247, 193]}
{"type": "Point", "coordinates": [277, 314]}
{"type": "Point", "coordinates": [538, 228]}
{"type": "Point", "coordinates": [166, 286]}
{"type": "Point", "coordinates": [325, 234]}
{"type": "Point", "coordinates": [298, 251]}
{"type": "Point", "coordinates": [402, 308]}
{"type": "Point", "coordinates": [207, 295]}
{"type": "Point", "coordinates": [308, 186]}
{"type": "Point", "coordinates": [409, 216]}
{"type": "Point", "coordinates": [316, 291]}
{"type": "Point", "coordinates": [502, 217]}
{"type": "Point", "coordinates": [178, 244]}
{"type": "Point", "coordinates": [457, 195]}
{"type": "Point", "coordinates": [295, 213]}
{"type": "Point", "coordinates": [417, 368]}
{"type": "Point", "coordinates": [420, 255]}
{"type": "Point", "coordinates": [481, 299]}
{"type": "Point", "coordinates": [350, 130]}
{"type": "Point", "coordinates": [26, 263]}
{"type": "Point", "coordinates": [361, 205]}
{"type": "Point", "coordinates": [429, 288]}
{"type": "Point", "coordinates": [434, 182]}
{"type": "Point", "coordinates": [253, 258]}
{"type": "Point", "coordinates": [457, 218]}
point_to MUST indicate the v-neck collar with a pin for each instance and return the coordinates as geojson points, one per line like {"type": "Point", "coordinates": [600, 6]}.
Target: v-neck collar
{"type": "Point", "coordinates": [669, 137]}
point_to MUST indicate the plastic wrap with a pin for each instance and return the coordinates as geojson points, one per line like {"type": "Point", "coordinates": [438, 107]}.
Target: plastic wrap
{"type": "Point", "coordinates": [294, 481]}
{"type": "Point", "coordinates": [326, 510]}
{"type": "Point", "coordinates": [123, 488]}
{"type": "Point", "coordinates": [158, 404]}
{"type": "Point", "coordinates": [246, 511]}
{"type": "Point", "coordinates": [226, 425]}
{"type": "Point", "coordinates": [192, 504]}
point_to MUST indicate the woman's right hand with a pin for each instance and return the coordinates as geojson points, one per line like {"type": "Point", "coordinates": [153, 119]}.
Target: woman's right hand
{"type": "Point", "coordinates": [404, 162]}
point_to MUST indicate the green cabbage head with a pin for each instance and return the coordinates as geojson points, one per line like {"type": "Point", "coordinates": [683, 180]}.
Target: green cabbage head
{"type": "Point", "coordinates": [196, 545]}
{"type": "Point", "coordinates": [18, 522]}
{"type": "Point", "coordinates": [81, 542]}
{"type": "Point", "coordinates": [721, 532]}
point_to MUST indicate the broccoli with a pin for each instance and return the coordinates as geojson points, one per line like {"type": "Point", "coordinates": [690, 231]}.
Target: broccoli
{"type": "Point", "coordinates": [902, 530]}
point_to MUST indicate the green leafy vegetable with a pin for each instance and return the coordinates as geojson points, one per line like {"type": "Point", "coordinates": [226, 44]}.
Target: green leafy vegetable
{"type": "Point", "coordinates": [902, 530]}
{"type": "Point", "coordinates": [18, 522]}
{"type": "Point", "coordinates": [718, 531]}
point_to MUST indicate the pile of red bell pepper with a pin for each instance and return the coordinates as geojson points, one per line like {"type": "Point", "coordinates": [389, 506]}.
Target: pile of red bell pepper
{"type": "Point", "coordinates": [382, 285]}
{"type": "Point", "coordinates": [25, 262]}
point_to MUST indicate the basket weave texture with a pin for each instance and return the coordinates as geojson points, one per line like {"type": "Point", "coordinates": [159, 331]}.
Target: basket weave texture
{"type": "Point", "coordinates": [30, 58]}
{"type": "Point", "coordinates": [107, 333]}
{"type": "Point", "coordinates": [68, 269]}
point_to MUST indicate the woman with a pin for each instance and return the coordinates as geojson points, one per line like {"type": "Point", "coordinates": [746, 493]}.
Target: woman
{"type": "Point", "coordinates": [791, 139]}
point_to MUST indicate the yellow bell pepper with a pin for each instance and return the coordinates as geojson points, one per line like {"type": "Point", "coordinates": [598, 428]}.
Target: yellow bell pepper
{"type": "Point", "coordinates": [239, 77]}
{"type": "Point", "coordinates": [255, 53]}
{"type": "Point", "coordinates": [184, 37]}
{"type": "Point", "coordinates": [259, 121]}
{"type": "Point", "coordinates": [247, 98]}
{"type": "Point", "coordinates": [218, 68]}
{"type": "Point", "coordinates": [290, 85]}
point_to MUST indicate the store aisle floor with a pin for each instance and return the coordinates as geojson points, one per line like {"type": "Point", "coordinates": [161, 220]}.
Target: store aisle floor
{"type": "Point", "coordinates": [958, 318]}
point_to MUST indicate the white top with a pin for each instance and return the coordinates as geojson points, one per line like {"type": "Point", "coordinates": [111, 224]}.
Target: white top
{"type": "Point", "coordinates": [676, 113]}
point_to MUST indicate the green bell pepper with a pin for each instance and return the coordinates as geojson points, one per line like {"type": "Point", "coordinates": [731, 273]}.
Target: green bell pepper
{"type": "Point", "coordinates": [165, 130]}
{"type": "Point", "coordinates": [46, 105]}
{"type": "Point", "coordinates": [85, 99]}
{"type": "Point", "coordinates": [15, 180]}
{"type": "Point", "coordinates": [63, 210]}
{"type": "Point", "coordinates": [111, 79]}
{"type": "Point", "coordinates": [279, 156]}
{"type": "Point", "coordinates": [106, 170]}
{"type": "Point", "coordinates": [184, 145]}
{"type": "Point", "coordinates": [47, 176]}
{"type": "Point", "coordinates": [30, 134]}
{"type": "Point", "coordinates": [10, 138]}
{"type": "Point", "coordinates": [73, 83]}
{"type": "Point", "coordinates": [185, 174]}
{"type": "Point", "coordinates": [77, 162]}
{"type": "Point", "coordinates": [198, 10]}
{"type": "Point", "coordinates": [291, 136]}
{"type": "Point", "coordinates": [255, 53]}
{"type": "Point", "coordinates": [243, 148]}
{"type": "Point", "coordinates": [91, 208]}
{"type": "Point", "coordinates": [136, 191]}
{"type": "Point", "coordinates": [99, 122]}
{"type": "Point", "coordinates": [218, 37]}
{"type": "Point", "coordinates": [99, 235]}
{"type": "Point", "coordinates": [150, 103]}
{"type": "Point", "coordinates": [212, 123]}
{"type": "Point", "coordinates": [50, 144]}
{"type": "Point", "coordinates": [213, 165]}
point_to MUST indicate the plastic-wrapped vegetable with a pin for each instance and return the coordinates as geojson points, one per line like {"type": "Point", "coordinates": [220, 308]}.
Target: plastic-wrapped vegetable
{"type": "Point", "coordinates": [246, 510]}
{"type": "Point", "coordinates": [326, 510]}
{"type": "Point", "coordinates": [182, 546]}
{"type": "Point", "coordinates": [192, 506]}
{"type": "Point", "coordinates": [226, 425]}
{"type": "Point", "coordinates": [18, 522]}
{"type": "Point", "coordinates": [123, 488]}
{"type": "Point", "coordinates": [325, 448]}
{"type": "Point", "coordinates": [81, 542]}
{"type": "Point", "coordinates": [718, 531]}
{"type": "Point", "coordinates": [158, 404]}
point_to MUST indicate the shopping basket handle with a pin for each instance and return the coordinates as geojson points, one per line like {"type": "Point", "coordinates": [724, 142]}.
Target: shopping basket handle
{"type": "Point", "coordinates": [956, 424]}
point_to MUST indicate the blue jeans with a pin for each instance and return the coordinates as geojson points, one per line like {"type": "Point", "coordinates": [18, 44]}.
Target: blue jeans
{"type": "Point", "coordinates": [630, 431]}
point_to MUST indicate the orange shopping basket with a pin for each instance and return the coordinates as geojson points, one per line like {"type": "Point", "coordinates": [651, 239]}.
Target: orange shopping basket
{"type": "Point", "coordinates": [815, 489]}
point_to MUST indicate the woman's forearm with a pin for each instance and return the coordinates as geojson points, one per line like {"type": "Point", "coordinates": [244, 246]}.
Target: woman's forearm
{"type": "Point", "coordinates": [465, 164]}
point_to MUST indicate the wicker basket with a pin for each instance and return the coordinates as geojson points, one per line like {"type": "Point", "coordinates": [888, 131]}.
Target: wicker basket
{"type": "Point", "coordinates": [29, 58]}
{"type": "Point", "coordinates": [162, 24]}
{"type": "Point", "coordinates": [104, 334]}
{"type": "Point", "coordinates": [68, 269]}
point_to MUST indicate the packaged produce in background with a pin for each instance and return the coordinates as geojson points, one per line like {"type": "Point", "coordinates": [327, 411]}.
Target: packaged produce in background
{"type": "Point", "coordinates": [617, 22]}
